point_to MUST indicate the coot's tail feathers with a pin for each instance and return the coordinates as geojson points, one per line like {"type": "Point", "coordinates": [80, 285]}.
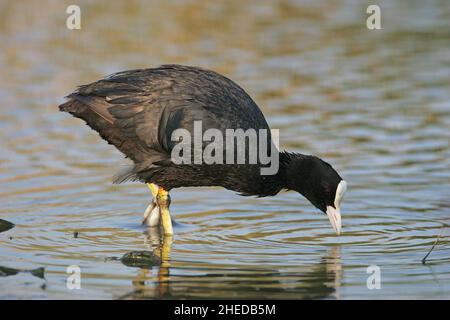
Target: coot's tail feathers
{"type": "Point", "coordinates": [71, 106]}
{"type": "Point", "coordinates": [102, 122]}
{"type": "Point", "coordinates": [94, 104]}
{"type": "Point", "coordinates": [117, 124]}
{"type": "Point", "coordinates": [98, 118]}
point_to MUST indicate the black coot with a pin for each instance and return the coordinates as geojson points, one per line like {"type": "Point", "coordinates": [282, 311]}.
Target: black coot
{"type": "Point", "coordinates": [138, 110]}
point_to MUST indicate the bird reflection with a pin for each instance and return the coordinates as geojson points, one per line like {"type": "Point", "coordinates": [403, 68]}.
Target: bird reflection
{"type": "Point", "coordinates": [146, 284]}
{"type": "Point", "coordinates": [321, 281]}
{"type": "Point", "coordinates": [325, 279]}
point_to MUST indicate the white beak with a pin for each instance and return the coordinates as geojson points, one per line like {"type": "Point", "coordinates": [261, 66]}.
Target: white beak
{"type": "Point", "coordinates": [334, 214]}
{"type": "Point", "coordinates": [335, 218]}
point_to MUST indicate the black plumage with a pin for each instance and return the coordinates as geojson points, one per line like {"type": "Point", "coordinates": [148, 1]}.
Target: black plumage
{"type": "Point", "coordinates": [138, 110]}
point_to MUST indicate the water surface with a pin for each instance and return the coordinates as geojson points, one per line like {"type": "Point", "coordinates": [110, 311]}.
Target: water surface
{"type": "Point", "coordinates": [375, 104]}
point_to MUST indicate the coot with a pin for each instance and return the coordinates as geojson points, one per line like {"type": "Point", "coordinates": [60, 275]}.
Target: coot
{"type": "Point", "coordinates": [138, 111]}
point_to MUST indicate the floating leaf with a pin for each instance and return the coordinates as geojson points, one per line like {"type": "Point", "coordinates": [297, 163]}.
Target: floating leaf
{"type": "Point", "coordinates": [140, 259]}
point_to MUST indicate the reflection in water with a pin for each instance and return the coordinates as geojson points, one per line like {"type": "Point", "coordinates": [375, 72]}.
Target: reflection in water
{"type": "Point", "coordinates": [160, 246]}
{"type": "Point", "coordinates": [321, 282]}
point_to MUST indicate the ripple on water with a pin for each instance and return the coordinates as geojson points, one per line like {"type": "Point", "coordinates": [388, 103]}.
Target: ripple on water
{"type": "Point", "coordinates": [379, 114]}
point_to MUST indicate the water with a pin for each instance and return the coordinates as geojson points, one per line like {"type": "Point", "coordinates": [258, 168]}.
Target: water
{"type": "Point", "coordinates": [376, 104]}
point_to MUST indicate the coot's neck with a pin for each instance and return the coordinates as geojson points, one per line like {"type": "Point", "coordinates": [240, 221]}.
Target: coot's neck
{"type": "Point", "coordinates": [293, 168]}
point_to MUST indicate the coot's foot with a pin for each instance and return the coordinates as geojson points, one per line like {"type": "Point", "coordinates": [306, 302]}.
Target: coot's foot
{"type": "Point", "coordinates": [163, 202]}
{"type": "Point", "coordinates": [157, 211]}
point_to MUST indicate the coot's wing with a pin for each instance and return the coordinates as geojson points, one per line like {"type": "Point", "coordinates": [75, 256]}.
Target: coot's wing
{"type": "Point", "coordinates": [126, 110]}
{"type": "Point", "coordinates": [202, 95]}
{"type": "Point", "coordinates": [138, 110]}
{"type": "Point", "coordinates": [132, 102]}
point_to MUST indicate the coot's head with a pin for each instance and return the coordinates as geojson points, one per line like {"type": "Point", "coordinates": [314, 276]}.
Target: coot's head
{"type": "Point", "coordinates": [317, 181]}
